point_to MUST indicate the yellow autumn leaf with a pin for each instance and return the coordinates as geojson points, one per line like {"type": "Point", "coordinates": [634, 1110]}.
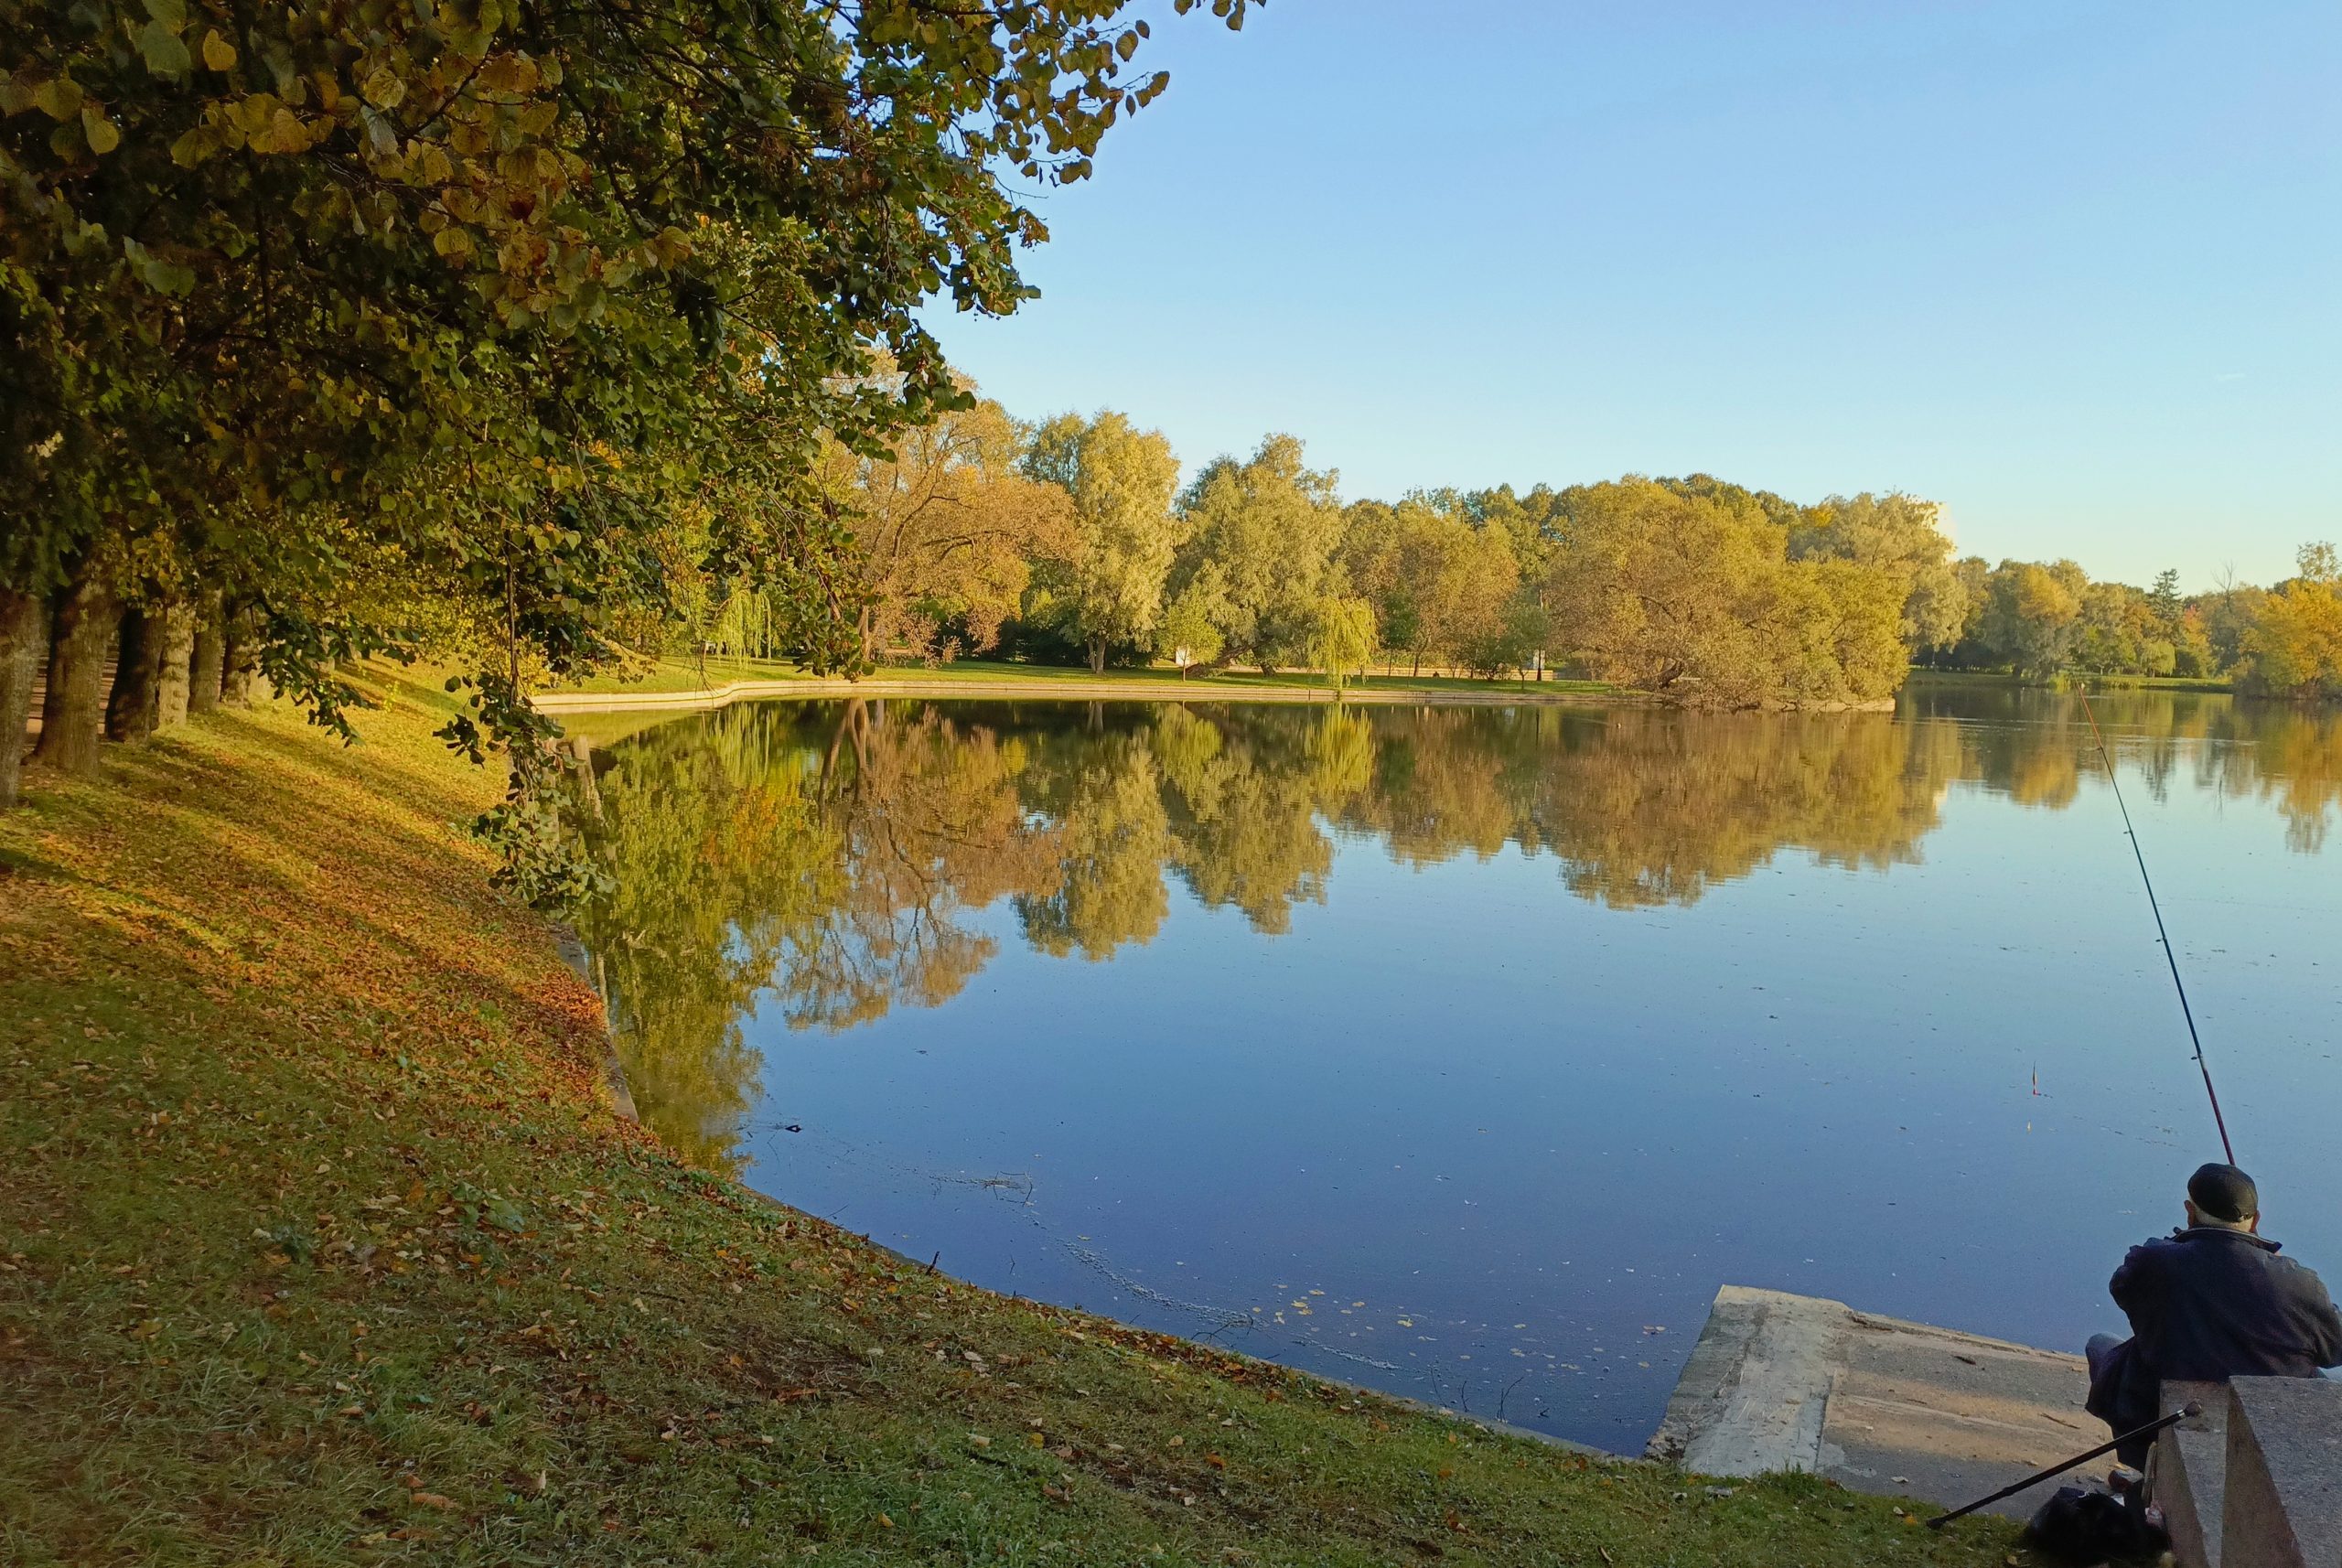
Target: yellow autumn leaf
{"type": "Point", "coordinates": [219, 54]}
{"type": "Point", "coordinates": [284, 133]}
{"type": "Point", "coordinates": [382, 88]}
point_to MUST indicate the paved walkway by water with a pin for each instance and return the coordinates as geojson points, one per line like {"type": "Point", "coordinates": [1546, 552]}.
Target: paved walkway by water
{"type": "Point", "coordinates": [1793, 1382]}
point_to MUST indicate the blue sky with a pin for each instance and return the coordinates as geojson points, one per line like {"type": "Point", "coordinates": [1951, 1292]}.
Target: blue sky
{"type": "Point", "coordinates": [2070, 268]}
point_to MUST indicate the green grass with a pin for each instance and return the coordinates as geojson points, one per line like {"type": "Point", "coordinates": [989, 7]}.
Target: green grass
{"type": "Point", "coordinates": [319, 1245]}
{"type": "Point", "coordinates": [687, 675]}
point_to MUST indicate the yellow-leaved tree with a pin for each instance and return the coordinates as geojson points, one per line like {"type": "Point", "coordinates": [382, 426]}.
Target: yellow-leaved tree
{"type": "Point", "coordinates": [1689, 593]}
{"type": "Point", "coordinates": [2294, 647]}
{"type": "Point", "coordinates": [947, 530]}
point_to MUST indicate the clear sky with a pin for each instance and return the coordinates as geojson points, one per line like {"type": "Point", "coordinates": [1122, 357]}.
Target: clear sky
{"type": "Point", "coordinates": [2070, 267]}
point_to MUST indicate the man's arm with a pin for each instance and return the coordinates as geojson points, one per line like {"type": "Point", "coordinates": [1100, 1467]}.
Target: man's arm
{"type": "Point", "coordinates": [2133, 1285]}
{"type": "Point", "coordinates": [2325, 1323]}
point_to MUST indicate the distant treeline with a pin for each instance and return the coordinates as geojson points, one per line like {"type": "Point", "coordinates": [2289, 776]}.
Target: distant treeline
{"type": "Point", "coordinates": [2032, 619]}
{"type": "Point", "coordinates": [1073, 540]}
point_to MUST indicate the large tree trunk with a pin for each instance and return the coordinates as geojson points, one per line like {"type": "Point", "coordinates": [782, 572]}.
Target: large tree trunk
{"type": "Point", "coordinates": [1097, 656]}
{"type": "Point", "coordinates": [204, 665]}
{"type": "Point", "coordinates": [178, 664]}
{"type": "Point", "coordinates": [82, 620]}
{"type": "Point", "coordinates": [131, 710]}
{"type": "Point", "coordinates": [23, 631]}
{"type": "Point", "coordinates": [239, 663]}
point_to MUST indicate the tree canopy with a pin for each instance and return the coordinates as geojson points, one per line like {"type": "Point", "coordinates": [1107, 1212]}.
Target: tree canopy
{"type": "Point", "coordinates": [372, 329]}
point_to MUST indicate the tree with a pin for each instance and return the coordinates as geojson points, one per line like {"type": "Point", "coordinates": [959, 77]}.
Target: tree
{"type": "Point", "coordinates": [1108, 590]}
{"type": "Point", "coordinates": [1474, 587]}
{"type": "Point", "coordinates": [2294, 647]}
{"type": "Point", "coordinates": [2230, 614]}
{"type": "Point", "coordinates": [1897, 533]}
{"type": "Point", "coordinates": [1392, 555]}
{"type": "Point", "coordinates": [1442, 582]}
{"type": "Point", "coordinates": [2164, 600]}
{"type": "Point", "coordinates": [377, 318]}
{"type": "Point", "coordinates": [1189, 634]}
{"type": "Point", "coordinates": [946, 527]}
{"type": "Point", "coordinates": [1266, 529]}
{"type": "Point", "coordinates": [2031, 617]}
{"type": "Point", "coordinates": [1344, 638]}
{"type": "Point", "coordinates": [1684, 589]}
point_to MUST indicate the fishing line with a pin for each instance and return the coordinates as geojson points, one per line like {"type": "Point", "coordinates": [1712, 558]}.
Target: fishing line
{"type": "Point", "coordinates": [2170, 957]}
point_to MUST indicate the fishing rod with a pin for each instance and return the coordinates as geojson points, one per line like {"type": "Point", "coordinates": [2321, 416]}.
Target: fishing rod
{"type": "Point", "coordinates": [2188, 1413]}
{"type": "Point", "coordinates": [2169, 956]}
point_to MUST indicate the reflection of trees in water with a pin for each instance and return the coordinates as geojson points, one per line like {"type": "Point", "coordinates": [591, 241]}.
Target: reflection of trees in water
{"type": "Point", "coordinates": [721, 854]}
{"type": "Point", "coordinates": [1105, 790]}
{"type": "Point", "coordinates": [1658, 811]}
{"type": "Point", "coordinates": [927, 820]}
{"type": "Point", "coordinates": [830, 858]}
{"type": "Point", "coordinates": [1644, 806]}
{"type": "Point", "coordinates": [2036, 746]}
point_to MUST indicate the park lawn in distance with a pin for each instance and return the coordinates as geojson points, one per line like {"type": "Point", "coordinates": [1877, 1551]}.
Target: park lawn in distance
{"type": "Point", "coordinates": [674, 675]}
{"type": "Point", "coordinates": [679, 674]}
{"type": "Point", "coordinates": [320, 1244]}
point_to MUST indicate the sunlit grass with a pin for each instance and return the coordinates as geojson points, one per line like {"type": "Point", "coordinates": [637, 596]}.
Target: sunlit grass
{"type": "Point", "coordinates": [320, 1245]}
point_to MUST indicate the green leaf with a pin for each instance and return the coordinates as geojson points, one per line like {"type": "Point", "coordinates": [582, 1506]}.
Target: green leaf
{"type": "Point", "coordinates": [194, 147]}
{"type": "Point", "coordinates": [171, 14]}
{"type": "Point", "coordinates": [60, 99]}
{"type": "Point", "coordinates": [165, 52]}
{"type": "Point", "coordinates": [104, 135]}
{"type": "Point", "coordinates": [161, 277]}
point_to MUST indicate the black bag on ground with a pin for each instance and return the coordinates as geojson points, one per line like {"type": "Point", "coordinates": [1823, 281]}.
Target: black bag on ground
{"type": "Point", "coordinates": [2082, 1525]}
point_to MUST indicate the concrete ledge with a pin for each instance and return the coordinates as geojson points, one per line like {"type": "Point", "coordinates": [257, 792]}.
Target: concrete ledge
{"type": "Point", "coordinates": [1751, 1397]}
{"type": "Point", "coordinates": [2283, 1505]}
{"type": "Point", "coordinates": [1789, 1382]}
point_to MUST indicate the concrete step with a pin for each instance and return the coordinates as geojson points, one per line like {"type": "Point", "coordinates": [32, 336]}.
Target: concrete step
{"type": "Point", "coordinates": [2283, 1502]}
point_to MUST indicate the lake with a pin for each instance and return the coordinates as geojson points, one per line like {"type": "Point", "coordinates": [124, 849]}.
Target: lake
{"type": "Point", "coordinates": [1463, 1052]}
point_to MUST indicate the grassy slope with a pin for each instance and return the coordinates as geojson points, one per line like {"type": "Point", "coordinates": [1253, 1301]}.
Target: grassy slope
{"type": "Point", "coordinates": [318, 1244]}
{"type": "Point", "coordinates": [684, 675]}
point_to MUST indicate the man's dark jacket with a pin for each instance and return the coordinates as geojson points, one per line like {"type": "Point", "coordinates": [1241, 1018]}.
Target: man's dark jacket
{"type": "Point", "coordinates": [2207, 1305]}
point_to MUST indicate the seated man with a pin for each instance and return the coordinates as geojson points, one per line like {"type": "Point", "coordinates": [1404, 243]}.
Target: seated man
{"type": "Point", "coordinates": [2207, 1304]}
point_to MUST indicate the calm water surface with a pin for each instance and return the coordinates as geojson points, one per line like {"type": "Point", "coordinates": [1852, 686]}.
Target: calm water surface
{"type": "Point", "coordinates": [1465, 1052]}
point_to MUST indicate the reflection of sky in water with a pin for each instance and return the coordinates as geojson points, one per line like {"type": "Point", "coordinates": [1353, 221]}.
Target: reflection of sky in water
{"type": "Point", "coordinates": [1465, 1135]}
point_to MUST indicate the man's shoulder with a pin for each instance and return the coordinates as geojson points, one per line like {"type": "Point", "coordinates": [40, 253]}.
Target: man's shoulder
{"type": "Point", "coordinates": [2296, 1270]}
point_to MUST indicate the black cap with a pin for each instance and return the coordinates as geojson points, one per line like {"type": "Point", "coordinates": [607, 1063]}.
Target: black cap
{"type": "Point", "coordinates": [2224, 1192]}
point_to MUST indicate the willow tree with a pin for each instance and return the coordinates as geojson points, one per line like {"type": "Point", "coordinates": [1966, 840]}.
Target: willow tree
{"type": "Point", "coordinates": [1905, 536]}
{"type": "Point", "coordinates": [1108, 590]}
{"type": "Point", "coordinates": [1261, 533]}
{"type": "Point", "coordinates": [1686, 589]}
{"type": "Point", "coordinates": [492, 290]}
